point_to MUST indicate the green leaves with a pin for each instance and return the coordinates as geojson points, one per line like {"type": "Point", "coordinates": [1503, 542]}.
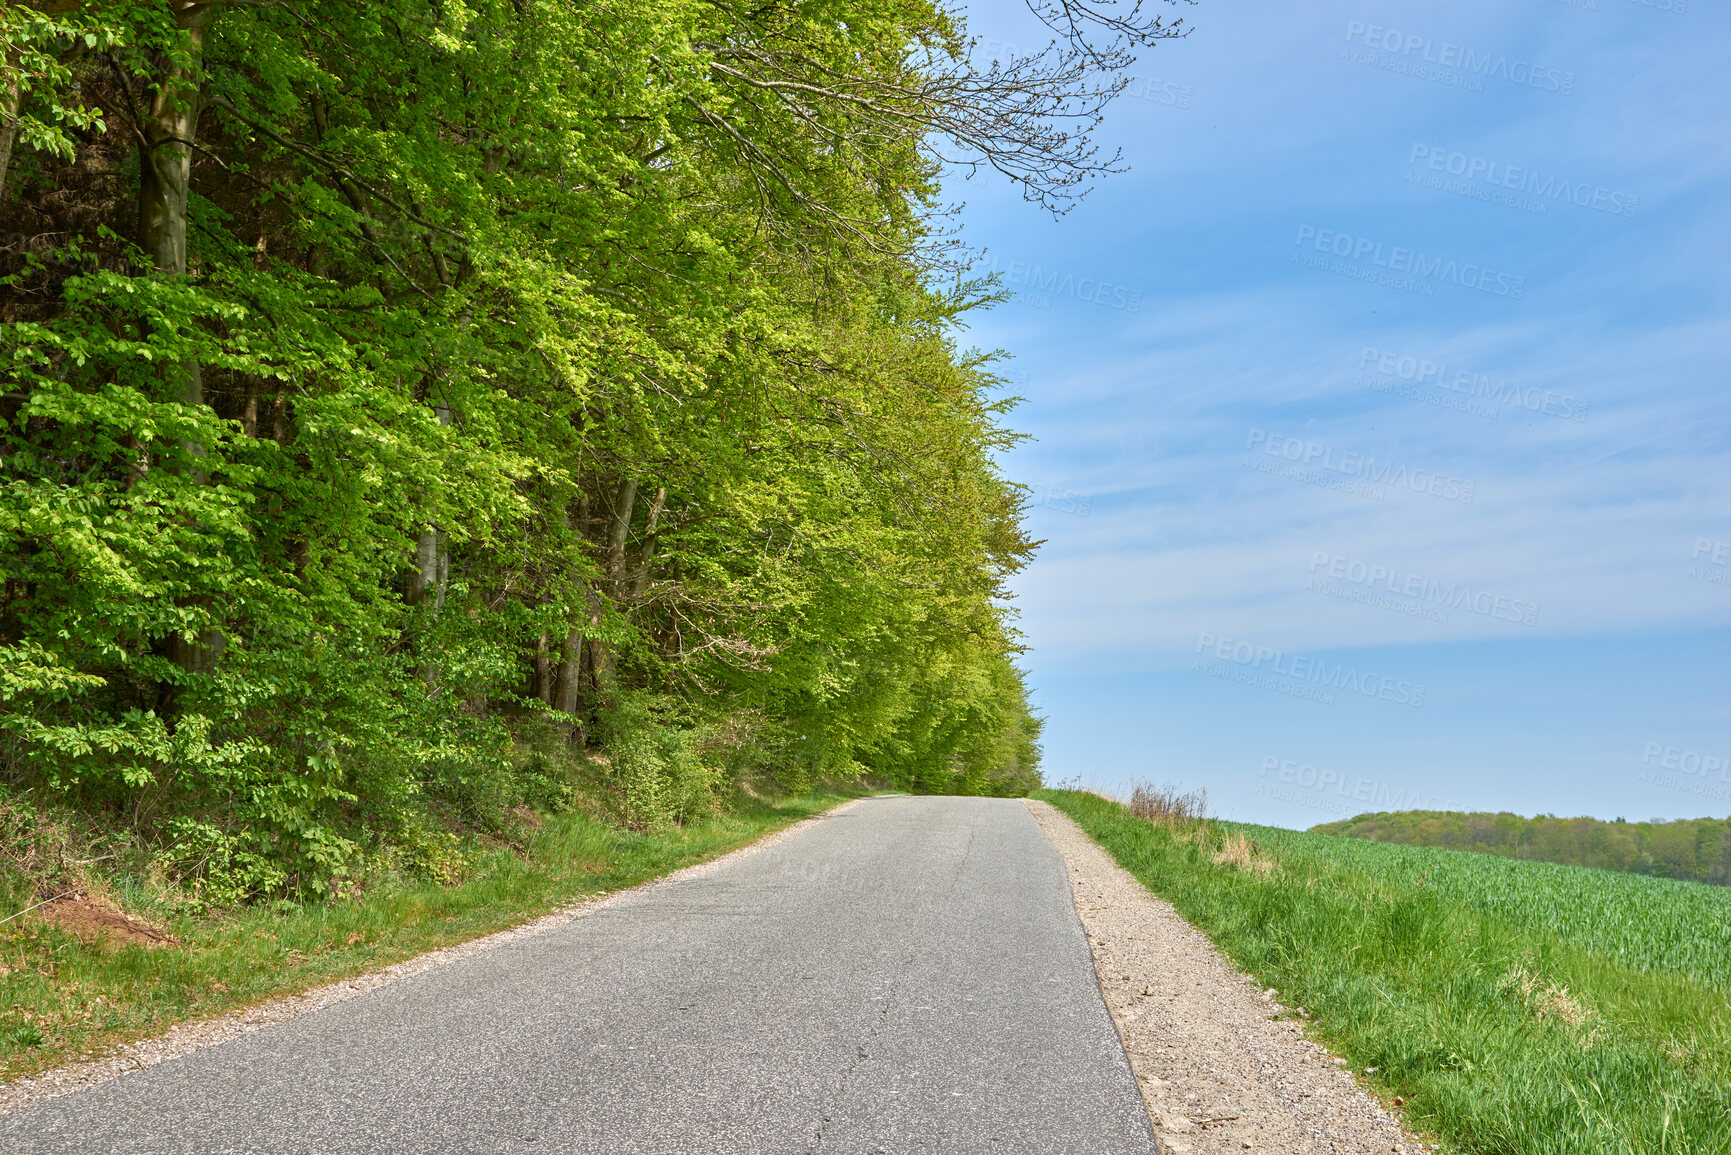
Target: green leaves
{"type": "Point", "coordinates": [533, 361]}
{"type": "Point", "coordinates": [29, 669]}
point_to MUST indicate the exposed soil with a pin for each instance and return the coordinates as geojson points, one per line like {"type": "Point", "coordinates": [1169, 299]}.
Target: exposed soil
{"type": "Point", "coordinates": [90, 917]}
{"type": "Point", "coordinates": [1221, 1066]}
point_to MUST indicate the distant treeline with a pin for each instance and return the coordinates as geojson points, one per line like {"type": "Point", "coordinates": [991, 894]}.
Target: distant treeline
{"type": "Point", "coordinates": [1697, 849]}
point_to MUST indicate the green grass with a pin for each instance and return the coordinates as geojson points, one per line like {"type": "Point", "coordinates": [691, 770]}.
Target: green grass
{"type": "Point", "coordinates": [1516, 1007]}
{"type": "Point", "coordinates": [1647, 924]}
{"type": "Point", "coordinates": [62, 998]}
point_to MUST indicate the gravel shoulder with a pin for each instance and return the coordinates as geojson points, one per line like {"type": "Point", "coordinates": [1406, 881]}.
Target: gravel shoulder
{"type": "Point", "coordinates": [1219, 1070]}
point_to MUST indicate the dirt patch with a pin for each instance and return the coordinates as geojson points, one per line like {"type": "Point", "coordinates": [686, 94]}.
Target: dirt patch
{"type": "Point", "coordinates": [1221, 1066]}
{"type": "Point", "coordinates": [90, 917]}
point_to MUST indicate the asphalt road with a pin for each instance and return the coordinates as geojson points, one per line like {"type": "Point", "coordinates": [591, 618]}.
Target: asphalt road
{"type": "Point", "coordinates": [908, 975]}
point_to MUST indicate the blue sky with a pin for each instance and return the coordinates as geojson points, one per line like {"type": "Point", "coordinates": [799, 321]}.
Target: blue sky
{"type": "Point", "coordinates": [1379, 412]}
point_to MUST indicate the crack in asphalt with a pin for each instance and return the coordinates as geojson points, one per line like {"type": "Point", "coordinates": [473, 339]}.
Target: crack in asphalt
{"type": "Point", "coordinates": [860, 1055]}
{"type": "Point", "coordinates": [890, 991]}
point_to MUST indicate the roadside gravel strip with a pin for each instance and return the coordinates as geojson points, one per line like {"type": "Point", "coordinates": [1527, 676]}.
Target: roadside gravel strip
{"type": "Point", "coordinates": [1218, 1071]}
{"type": "Point", "coordinates": [190, 1037]}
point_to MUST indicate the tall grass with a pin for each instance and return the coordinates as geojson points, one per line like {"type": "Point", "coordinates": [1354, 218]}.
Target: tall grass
{"type": "Point", "coordinates": [1166, 806]}
{"type": "Point", "coordinates": [1505, 1019]}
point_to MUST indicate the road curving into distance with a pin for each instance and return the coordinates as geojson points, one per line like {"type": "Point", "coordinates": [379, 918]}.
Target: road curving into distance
{"type": "Point", "coordinates": [906, 975]}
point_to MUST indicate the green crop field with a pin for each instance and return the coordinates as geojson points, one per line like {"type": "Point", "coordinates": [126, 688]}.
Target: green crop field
{"type": "Point", "coordinates": [1646, 924]}
{"type": "Point", "coordinates": [1513, 1008]}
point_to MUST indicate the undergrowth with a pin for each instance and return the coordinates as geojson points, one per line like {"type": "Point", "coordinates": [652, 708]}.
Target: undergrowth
{"type": "Point", "coordinates": [649, 772]}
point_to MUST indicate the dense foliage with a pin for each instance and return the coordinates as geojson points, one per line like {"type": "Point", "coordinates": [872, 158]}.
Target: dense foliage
{"type": "Point", "coordinates": [1696, 849]}
{"type": "Point", "coordinates": [420, 408]}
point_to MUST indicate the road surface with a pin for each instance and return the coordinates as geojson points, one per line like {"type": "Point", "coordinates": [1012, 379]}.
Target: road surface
{"type": "Point", "coordinates": [907, 975]}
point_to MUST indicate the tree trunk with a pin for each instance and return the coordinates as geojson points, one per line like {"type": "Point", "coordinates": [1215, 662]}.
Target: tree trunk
{"type": "Point", "coordinates": [167, 130]}
{"type": "Point", "coordinates": [601, 656]}
{"type": "Point", "coordinates": [11, 102]}
{"type": "Point", "coordinates": [279, 430]}
{"type": "Point", "coordinates": [431, 564]}
{"type": "Point", "coordinates": [570, 676]}
{"type": "Point", "coordinates": [641, 581]}
{"type": "Point", "coordinates": [543, 671]}
{"type": "Point", "coordinates": [432, 568]}
{"type": "Point", "coordinates": [570, 680]}
{"type": "Point", "coordinates": [165, 152]}
{"type": "Point", "coordinates": [249, 406]}
{"type": "Point", "coordinates": [624, 504]}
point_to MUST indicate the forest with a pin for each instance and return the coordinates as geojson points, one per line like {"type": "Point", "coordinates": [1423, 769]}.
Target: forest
{"type": "Point", "coordinates": [1694, 849]}
{"type": "Point", "coordinates": [419, 411]}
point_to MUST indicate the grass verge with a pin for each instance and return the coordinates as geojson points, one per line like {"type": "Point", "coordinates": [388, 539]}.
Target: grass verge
{"type": "Point", "coordinates": [1495, 1034]}
{"type": "Point", "coordinates": [63, 997]}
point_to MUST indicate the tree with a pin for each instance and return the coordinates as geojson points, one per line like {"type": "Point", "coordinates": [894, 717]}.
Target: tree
{"type": "Point", "coordinates": [386, 380]}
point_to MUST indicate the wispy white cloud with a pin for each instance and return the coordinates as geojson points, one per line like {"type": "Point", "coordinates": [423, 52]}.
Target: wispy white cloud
{"type": "Point", "coordinates": [1594, 511]}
